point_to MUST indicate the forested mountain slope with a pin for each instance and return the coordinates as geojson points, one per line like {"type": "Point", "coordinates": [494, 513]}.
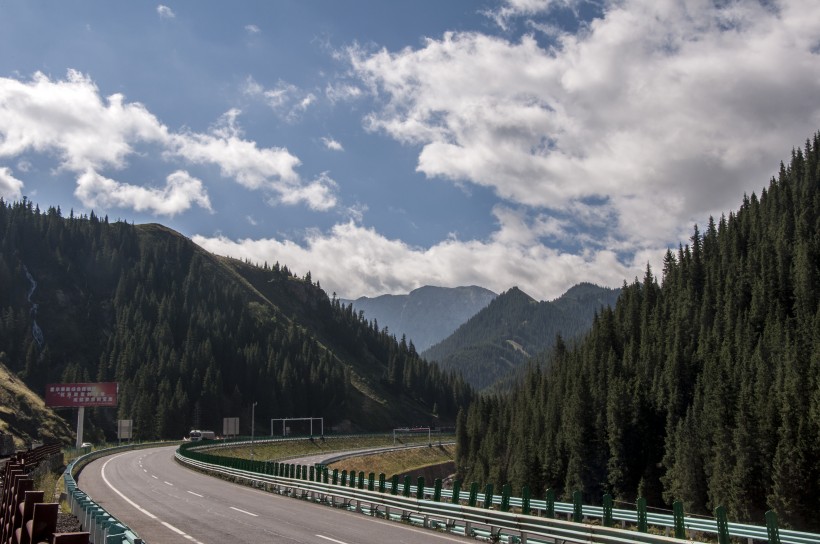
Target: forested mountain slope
{"type": "Point", "coordinates": [703, 387]}
{"type": "Point", "coordinates": [425, 315]}
{"type": "Point", "coordinates": [499, 339]}
{"type": "Point", "coordinates": [191, 337]}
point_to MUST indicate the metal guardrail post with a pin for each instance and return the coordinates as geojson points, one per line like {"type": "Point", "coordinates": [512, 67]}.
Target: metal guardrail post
{"type": "Point", "coordinates": [506, 491]}
{"type": "Point", "coordinates": [607, 510]}
{"type": "Point", "coordinates": [677, 513]}
{"type": "Point", "coordinates": [394, 485]}
{"type": "Point", "coordinates": [550, 503]}
{"type": "Point", "coordinates": [344, 478]}
{"type": "Point", "coordinates": [407, 485]}
{"type": "Point", "coordinates": [772, 528]}
{"type": "Point", "coordinates": [525, 500]}
{"type": "Point", "coordinates": [420, 488]}
{"type": "Point", "coordinates": [577, 507]}
{"type": "Point", "coordinates": [335, 476]}
{"type": "Point", "coordinates": [722, 525]}
{"type": "Point", "coordinates": [473, 494]}
{"type": "Point", "coordinates": [361, 479]}
{"type": "Point", "coordinates": [642, 525]}
{"type": "Point", "coordinates": [456, 492]}
{"type": "Point", "coordinates": [437, 490]}
{"type": "Point", "coordinates": [382, 483]}
{"type": "Point", "coordinates": [371, 482]}
{"type": "Point", "coordinates": [488, 495]}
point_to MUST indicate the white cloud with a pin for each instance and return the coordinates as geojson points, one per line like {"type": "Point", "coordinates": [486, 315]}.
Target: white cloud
{"type": "Point", "coordinates": [89, 134]}
{"type": "Point", "coordinates": [353, 260]}
{"type": "Point", "coordinates": [70, 118]}
{"type": "Point", "coordinates": [181, 191]}
{"type": "Point", "coordinates": [343, 92]}
{"type": "Point", "coordinates": [332, 144]}
{"type": "Point", "coordinates": [252, 29]}
{"type": "Point", "coordinates": [318, 194]}
{"type": "Point", "coordinates": [661, 112]}
{"type": "Point", "coordinates": [11, 188]}
{"type": "Point", "coordinates": [285, 99]}
{"type": "Point", "coordinates": [243, 160]}
{"type": "Point", "coordinates": [165, 12]}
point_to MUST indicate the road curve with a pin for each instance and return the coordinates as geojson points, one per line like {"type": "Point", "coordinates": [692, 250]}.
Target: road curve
{"type": "Point", "coordinates": [166, 503]}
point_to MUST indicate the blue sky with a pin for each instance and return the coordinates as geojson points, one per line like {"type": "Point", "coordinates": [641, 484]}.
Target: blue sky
{"type": "Point", "coordinates": [383, 146]}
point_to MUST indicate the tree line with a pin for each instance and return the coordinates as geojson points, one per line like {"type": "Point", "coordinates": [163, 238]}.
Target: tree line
{"type": "Point", "coordinates": [702, 385]}
{"type": "Point", "coordinates": [191, 337]}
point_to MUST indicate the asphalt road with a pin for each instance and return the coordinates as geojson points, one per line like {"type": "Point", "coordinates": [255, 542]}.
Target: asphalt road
{"type": "Point", "coordinates": [166, 503]}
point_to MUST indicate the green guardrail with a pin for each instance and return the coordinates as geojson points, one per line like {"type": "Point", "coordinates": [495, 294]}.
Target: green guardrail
{"type": "Point", "coordinates": [640, 518]}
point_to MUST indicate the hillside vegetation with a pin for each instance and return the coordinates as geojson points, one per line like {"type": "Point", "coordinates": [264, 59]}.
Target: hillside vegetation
{"type": "Point", "coordinates": [24, 415]}
{"type": "Point", "coordinates": [490, 349]}
{"type": "Point", "coordinates": [702, 385]}
{"type": "Point", "coordinates": [191, 337]}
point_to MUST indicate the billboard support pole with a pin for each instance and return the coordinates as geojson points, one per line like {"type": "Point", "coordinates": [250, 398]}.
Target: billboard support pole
{"type": "Point", "coordinates": [80, 418]}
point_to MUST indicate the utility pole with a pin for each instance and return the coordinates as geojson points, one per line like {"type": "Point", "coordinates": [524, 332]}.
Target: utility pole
{"type": "Point", "coordinates": [253, 420]}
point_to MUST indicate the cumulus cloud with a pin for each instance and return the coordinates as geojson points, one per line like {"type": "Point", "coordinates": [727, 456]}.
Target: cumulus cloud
{"type": "Point", "coordinates": [252, 29]}
{"type": "Point", "coordinates": [661, 112]}
{"type": "Point", "coordinates": [353, 260]}
{"type": "Point", "coordinates": [236, 157]}
{"type": "Point", "coordinates": [180, 192]}
{"type": "Point", "coordinates": [332, 144]}
{"type": "Point", "coordinates": [88, 134]}
{"type": "Point", "coordinates": [319, 194]}
{"type": "Point", "coordinates": [11, 188]}
{"type": "Point", "coordinates": [70, 118]}
{"type": "Point", "coordinates": [165, 12]}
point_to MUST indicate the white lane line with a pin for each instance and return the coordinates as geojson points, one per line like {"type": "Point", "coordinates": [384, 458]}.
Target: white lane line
{"type": "Point", "coordinates": [168, 483]}
{"type": "Point", "coordinates": [197, 494]}
{"type": "Point", "coordinates": [135, 505]}
{"type": "Point", "coordinates": [245, 512]}
{"type": "Point", "coordinates": [145, 471]}
{"type": "Point", "coordinates": [332, 539]}
{"type": "Point", "coordinates": [154, 477]}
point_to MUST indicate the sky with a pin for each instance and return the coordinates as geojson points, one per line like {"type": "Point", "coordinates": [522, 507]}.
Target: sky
{"type": "Point", "coordinates": [386, 145]}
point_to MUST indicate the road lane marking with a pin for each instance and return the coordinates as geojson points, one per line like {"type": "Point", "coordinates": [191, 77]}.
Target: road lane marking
{"type": "Point", "coordinates": [154, 477]}
{"type": "Point", "coordinates": [197, 494]}
{"type": "Point", "coordinates": [245, 512]}
{"type": "Point", "coordinates": [332, 539]}
{"type": "Point", "coordinates": [137, 506]}
{"type": "Point", "coordinates": [168, 483]}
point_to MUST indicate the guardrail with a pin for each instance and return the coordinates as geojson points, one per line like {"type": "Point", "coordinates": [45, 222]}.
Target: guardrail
{"type": "Point", "coordinates": [678, 524]}
{"type": "Point", "coordinates": [102, 526]}
{"type": "Point", "coordinates": [472, 521]}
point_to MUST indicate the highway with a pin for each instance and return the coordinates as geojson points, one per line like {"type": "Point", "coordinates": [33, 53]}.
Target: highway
{"type": "Point", "coordinates": [166, 503]}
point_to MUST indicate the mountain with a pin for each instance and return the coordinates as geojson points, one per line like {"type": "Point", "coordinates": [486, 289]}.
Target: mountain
{"type": "Point", "coordinates": [499, 339]}
{"type": "Point", "coordinates": [702, 384]}
{"type": "Point", "coordinates": [192, 338]}
{"type": "Point", "coordinates": [426, 315]}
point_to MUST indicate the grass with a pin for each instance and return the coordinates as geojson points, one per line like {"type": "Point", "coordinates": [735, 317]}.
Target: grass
{"type": "Point", "coordinates": [279, 451]}
{"type": "Point", "coordinates": [398, 461]}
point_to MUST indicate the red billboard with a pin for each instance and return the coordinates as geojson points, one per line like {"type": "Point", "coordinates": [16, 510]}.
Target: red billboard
{"type": "Point", "coordinates": [74, 395]}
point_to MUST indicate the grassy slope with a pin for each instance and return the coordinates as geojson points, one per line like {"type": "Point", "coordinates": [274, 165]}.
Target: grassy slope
{"type": "Point", "coordinates": [24, 415]}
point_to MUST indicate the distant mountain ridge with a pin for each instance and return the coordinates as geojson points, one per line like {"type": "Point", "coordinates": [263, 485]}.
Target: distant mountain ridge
{"type": "Point", "coordinates": [426, 315]}
{"type": "Point", "coordinates": [513, 327]}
